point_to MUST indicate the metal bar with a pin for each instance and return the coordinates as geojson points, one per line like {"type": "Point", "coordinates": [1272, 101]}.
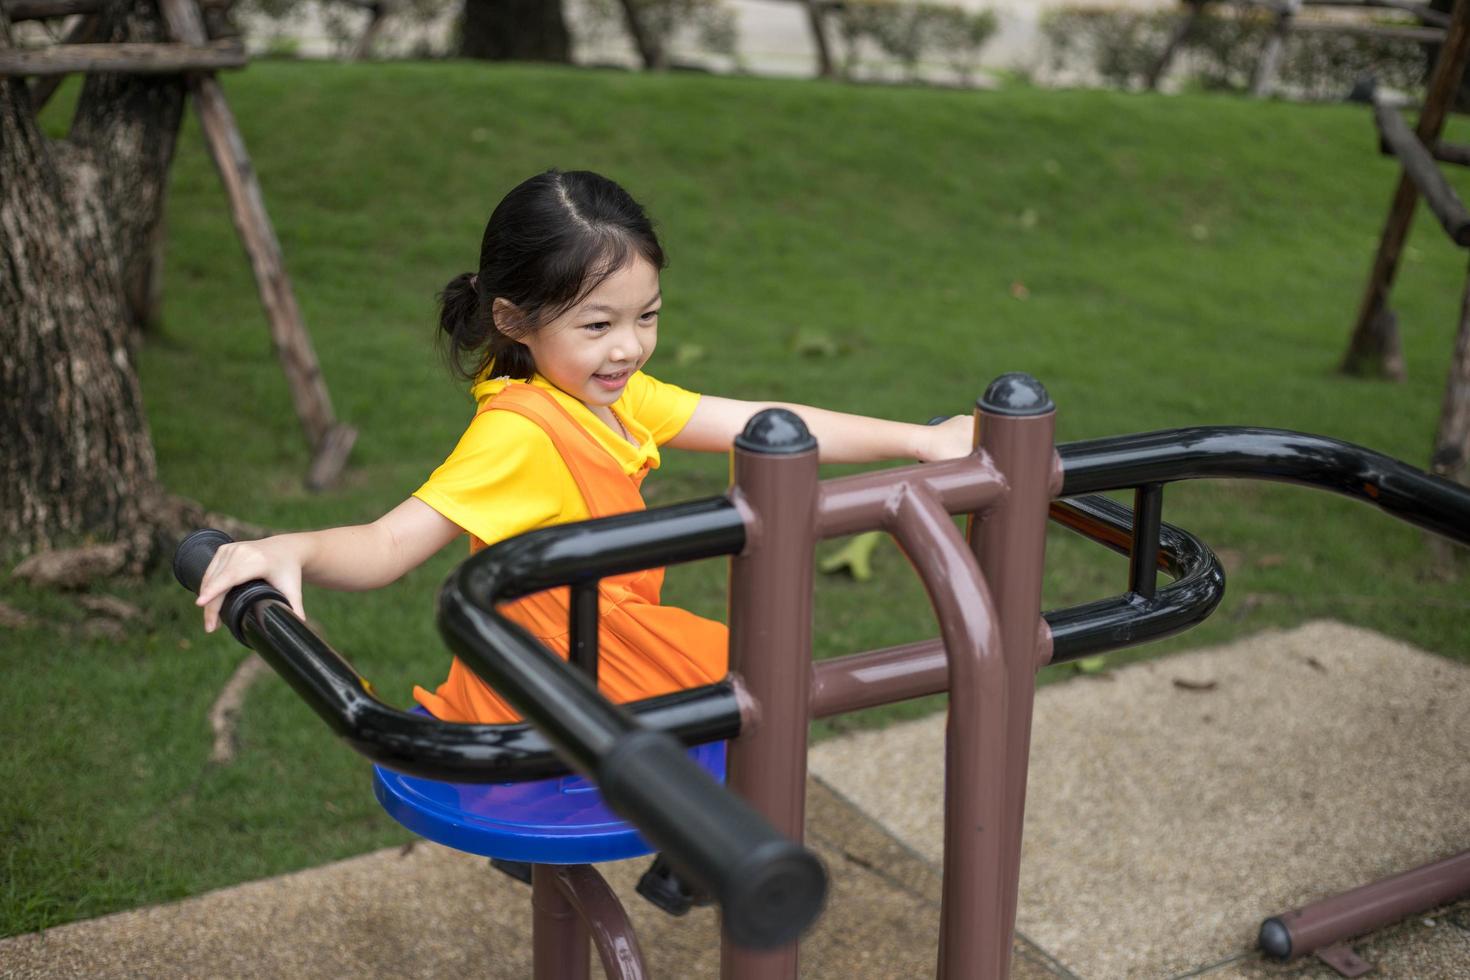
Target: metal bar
{"type": "Point", "coordinates": [974, 937]}
{"type": "Point", "coordinates": [865, 680]}
{"type": "Point", "coordinates": [1143, 555]}
{"type": "Point", "coordinates": [1215, 452]}
{"type": "Point", "coordinates": [583, 649]}
{"type": "Point", "coordinates": [775, 477]}
{"type": "Point", "coordinates": [1130, 619]}
{"type": "Point", "coordinates": [558, 934]}
{"type": "Point", "coordinates": [858, 503]}
{"type": "Point", "coordinates": [1309, 928]}
{"type": "Point", "coordinates": [1422, 170]}
{"type": "Point", "coordinates": [605, 920]}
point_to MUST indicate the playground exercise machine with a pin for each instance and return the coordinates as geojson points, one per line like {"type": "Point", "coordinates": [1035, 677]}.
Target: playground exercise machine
{"type": "Point", "coordinates": [466, 785]}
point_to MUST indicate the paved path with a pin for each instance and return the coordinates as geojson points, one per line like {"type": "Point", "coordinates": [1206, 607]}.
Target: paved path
{"type": "Point", "coordinates": [1163, 823]}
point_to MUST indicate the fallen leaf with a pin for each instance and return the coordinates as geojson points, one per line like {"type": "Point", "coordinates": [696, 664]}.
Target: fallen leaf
{"type": "Point", "coordinates": [1270, 561]}
{"type": "Point", "coordinates": [1019, 290]}
{"type": "Point", "coordinates": [1185, 685]}
{"type": "Point", "coordinates": [814, 343]}
{"type": "Point", "coordinates": [1316, 664]}
{"type": "Point", "coordinates": [855, 558]}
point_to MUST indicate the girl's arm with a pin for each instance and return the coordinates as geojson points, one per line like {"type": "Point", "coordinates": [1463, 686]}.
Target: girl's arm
{"type": "Point", "coordinates": [841, 438]}
{"type": "Point", "coordinates": [363, 556]}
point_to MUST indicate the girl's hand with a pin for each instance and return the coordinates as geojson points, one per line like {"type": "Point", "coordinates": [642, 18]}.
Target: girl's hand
{"type": "Point", "coordinates": [950, 439]}
{"type": "Point", "coordinates": [274, 559]}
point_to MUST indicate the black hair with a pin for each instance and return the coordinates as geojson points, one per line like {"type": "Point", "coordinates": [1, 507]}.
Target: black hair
{"type": "Point", "coordinates": [549, 242]}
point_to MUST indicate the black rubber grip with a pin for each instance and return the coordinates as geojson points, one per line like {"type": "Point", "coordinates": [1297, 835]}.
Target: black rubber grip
{"type": "Point", "coordinates": [192, 559]}
{"type": "Point", "coordinates": [769, 888]}
{"type": "Point", "coordinates": [194, 555]}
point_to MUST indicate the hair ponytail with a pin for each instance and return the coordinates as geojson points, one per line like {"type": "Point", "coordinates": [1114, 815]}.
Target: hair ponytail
{"type": "Point", "coordinates": [469, 337]}
{"type": "Point", "coordinates": [549, 243]}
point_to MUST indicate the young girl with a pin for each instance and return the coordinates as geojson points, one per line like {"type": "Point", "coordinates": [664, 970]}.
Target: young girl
{"type": "Point", "coordinates": [557, 325]}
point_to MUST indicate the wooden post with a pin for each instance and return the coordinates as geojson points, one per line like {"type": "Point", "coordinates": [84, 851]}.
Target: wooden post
{"type": "Point", "coordinates": [1420, 167]}
{"type": "Point", "coordinates": [131, 58]}
{"type": "Point", "coordinates": [330, 441]}
{"type": "Point", "coordinates": [1374, 346]}
{"type": "Point", "coordinates": [1265, 80]}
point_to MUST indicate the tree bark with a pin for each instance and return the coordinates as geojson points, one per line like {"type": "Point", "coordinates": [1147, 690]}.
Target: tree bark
{"type": "Point", "coordinates": [77, 219]}
{"type": "Point", "coordinates": [515, 30]}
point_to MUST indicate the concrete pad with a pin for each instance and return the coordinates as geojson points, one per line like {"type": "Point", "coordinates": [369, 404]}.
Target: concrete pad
{"type": "Point", "coordinates": [427, 911]}
{"type": "Point", "coordinates": [1175, 804]}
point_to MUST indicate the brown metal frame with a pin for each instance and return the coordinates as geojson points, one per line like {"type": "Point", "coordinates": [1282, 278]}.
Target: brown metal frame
{"type": "Point", "coordinates": [986, 593]}
{"type": "Point", "coordinates": [985, 586]}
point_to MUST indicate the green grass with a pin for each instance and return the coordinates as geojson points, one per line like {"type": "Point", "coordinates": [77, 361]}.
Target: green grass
{"type": "Point", "coordinates": [1187, 260]}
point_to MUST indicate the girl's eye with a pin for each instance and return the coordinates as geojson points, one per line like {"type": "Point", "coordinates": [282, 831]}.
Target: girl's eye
{"type": "Point", "coordinates": [597, 327]}
{"type": "Point", "coordinates": [650, 315]}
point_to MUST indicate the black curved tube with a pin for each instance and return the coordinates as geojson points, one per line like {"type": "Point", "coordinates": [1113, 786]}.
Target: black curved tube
{"type": "Point", "coordinates": [412, 743]}
{"type": "Point", "coordinates": [1241, 452]}
{"type": "Point", "coordinates": [1131, 618]}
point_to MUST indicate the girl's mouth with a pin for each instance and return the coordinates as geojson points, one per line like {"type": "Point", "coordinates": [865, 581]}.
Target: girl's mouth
{"type": "Point", "coordinates": [613, 380]}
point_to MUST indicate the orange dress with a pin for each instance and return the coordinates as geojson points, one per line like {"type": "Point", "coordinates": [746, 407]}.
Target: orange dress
{"type": "Point", "coordinates": [644, 648]}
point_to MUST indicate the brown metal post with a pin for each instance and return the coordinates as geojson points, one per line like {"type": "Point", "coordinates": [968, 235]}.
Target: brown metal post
{"type": "Point", "coordinates": [601, 913]}
{"type": "Point", "coordinates": [775, 482]}
{"type": "Point", "coordinates": [974, 939]}
{"type": "Point", "coordinates": [558, 935]}
{"type": "Point", "coordinates": [1016, 421]}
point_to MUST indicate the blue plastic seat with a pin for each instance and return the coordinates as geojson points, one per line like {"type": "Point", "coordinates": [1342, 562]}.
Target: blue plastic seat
{"type": "Point", "coordinates": [550, 821]}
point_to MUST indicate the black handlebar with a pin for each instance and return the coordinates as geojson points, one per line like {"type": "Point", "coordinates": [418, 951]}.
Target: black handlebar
{"type": "Point", "coordinates": [770, 888]}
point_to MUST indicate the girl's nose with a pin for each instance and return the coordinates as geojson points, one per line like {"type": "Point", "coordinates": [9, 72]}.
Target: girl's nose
{"type": "Point", "coordinates": [627, 350]}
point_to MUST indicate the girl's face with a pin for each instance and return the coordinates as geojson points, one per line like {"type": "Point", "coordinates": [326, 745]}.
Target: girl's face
{"type": "Point", "coordinates": [592, 349]}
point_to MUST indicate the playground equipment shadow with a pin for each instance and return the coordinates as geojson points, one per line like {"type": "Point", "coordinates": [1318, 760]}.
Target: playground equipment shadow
{"type": "Point", "coordinates": [1164, 821]}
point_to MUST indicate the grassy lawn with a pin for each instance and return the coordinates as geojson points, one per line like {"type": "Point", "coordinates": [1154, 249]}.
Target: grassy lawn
{"type": "Point", "coordinates": [1157, 262]}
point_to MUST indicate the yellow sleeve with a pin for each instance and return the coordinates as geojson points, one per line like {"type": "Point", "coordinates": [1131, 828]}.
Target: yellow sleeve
{"type": "Point", "coordinates": [663, 409]}
{"type": "Point", "coordinates": [504, 477]}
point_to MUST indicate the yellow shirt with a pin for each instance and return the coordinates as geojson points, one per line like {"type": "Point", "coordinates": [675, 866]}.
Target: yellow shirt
{"type": "Point", "coordinates": [505, 476]}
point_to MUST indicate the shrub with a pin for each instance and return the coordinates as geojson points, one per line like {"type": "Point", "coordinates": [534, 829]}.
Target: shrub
{"type": "Point", "coordinates": [907, 31]}
{"type": "Point", "coordinates": [1223, 50]}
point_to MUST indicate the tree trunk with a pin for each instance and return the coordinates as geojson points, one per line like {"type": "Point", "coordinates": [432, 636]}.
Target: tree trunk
{"type": "Point", "coordinates": [515, 30]}
{"type": "Point", "coordinates": [77, 224]}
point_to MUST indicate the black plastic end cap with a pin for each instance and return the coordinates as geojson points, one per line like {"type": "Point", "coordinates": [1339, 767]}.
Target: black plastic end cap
{"type": "Point", "coordinates": [1275, 939]}
{"type": "Point", "coordinates": [776, 431]}
{"type": "Point", "coordinates": [194, 554]}
{"type": "Point", "coordinates": [1016, 393]}
{"type": "Point", "coordinates": [778, 894]}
